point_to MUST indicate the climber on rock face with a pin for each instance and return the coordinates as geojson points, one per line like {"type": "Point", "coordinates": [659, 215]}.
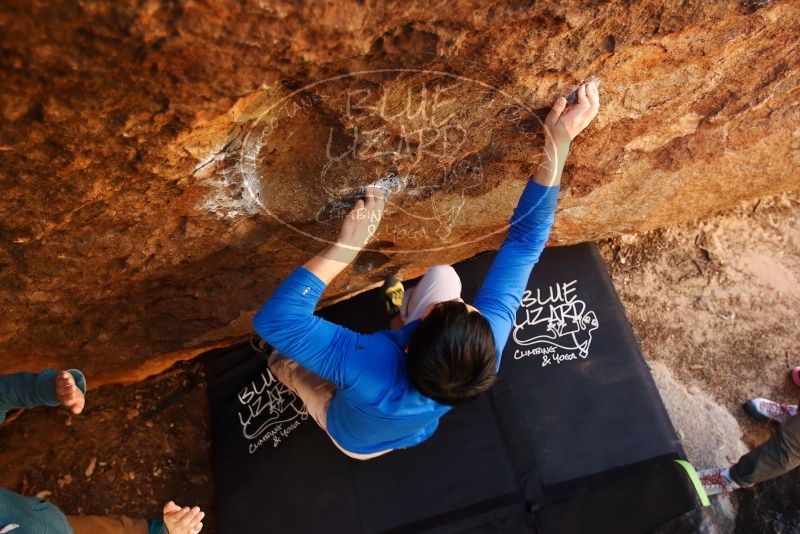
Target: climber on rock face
{"type": "Point", "coordinates": [387, 390]}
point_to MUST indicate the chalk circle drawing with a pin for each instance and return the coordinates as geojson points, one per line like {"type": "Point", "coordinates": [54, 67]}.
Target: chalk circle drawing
{"type": "Point", "coordinates": [393, 138]}
{"type": "Point", "coordinates": [269, 411]}
{"type": "Point", "coordinates": [555, 323]}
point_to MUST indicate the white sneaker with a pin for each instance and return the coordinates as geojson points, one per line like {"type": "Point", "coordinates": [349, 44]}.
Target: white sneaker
{"type": "Point", "coordinates": [717, 480]}
{"type": "Point", "coordinates": [767, 410]}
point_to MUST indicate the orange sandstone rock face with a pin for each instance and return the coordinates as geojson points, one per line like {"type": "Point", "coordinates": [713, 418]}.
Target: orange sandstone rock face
{"type": "Point", "coordinates": [164, 165]}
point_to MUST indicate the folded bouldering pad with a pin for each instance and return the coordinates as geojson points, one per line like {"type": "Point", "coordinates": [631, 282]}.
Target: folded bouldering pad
{"type": "Point", "coordinates": [572, 438]}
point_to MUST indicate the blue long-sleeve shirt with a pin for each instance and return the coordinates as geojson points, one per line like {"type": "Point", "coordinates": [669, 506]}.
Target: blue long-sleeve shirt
{"type": "Point", "coordinates": [376, 407]}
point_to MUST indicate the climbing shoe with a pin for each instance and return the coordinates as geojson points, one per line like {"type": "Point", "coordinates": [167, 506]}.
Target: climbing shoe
{"type": "Point", "coordinates": [392, 292]}
{"type": "Point", "coordinates": [717, 480]}
{"type": "Point", "coordinates": [767, 410]}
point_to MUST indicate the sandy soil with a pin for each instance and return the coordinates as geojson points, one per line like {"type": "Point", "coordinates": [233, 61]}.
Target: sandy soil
{"type": "Point", "coordinates": [717, 302]}
{"type": "Point", "coordinates": [714, 304]}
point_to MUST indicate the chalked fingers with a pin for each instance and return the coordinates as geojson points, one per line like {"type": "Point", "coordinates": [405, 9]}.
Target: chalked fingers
{"type": "Point", "coordinates": [593, 94]}
{"type": "Point", "coordinates": [555, 112]}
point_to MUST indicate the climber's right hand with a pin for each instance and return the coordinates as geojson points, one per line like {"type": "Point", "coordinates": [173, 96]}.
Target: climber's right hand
{"type": "Point", "coordinates": [561, 128]}
{"type": "Point", "coordinates": [361, 224]}
{"type": "Point", "coordinates": [184, 520]}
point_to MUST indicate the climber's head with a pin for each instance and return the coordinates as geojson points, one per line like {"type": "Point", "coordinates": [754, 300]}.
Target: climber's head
{"type": "Point", "coordinates": [452, 357]}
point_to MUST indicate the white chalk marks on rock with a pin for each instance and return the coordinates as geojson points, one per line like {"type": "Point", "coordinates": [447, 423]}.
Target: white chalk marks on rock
{"type": "Point", "coordinates": [234, 190]}
{"type": "Point", "coordinates": [303, 156]}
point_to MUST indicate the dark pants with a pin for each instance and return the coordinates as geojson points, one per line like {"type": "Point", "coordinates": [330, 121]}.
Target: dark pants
{"type": "Point", "coordinates": [778, 455]}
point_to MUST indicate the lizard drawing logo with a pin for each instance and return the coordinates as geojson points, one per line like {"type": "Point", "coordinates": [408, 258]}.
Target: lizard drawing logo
{"type": "Point", "coordinates": [555, 323]}
{"type": "Point", "coordinates": [270, 411]}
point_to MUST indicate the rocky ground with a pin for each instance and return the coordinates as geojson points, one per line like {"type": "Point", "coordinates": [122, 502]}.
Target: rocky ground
{"type": "Point", "coordinates": [714, 304]}
{"type": "Point", "coordinates": [133, 449]}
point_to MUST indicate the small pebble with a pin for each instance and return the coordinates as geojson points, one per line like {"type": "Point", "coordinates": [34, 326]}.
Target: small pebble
{"type": "Point", "coordinates": [90, 469]}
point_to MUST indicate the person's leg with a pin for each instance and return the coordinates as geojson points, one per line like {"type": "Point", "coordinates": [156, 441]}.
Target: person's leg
{"type": "Point", "coordinates": [313, 390]}
{"type": "Point", "coordinates": [776, 456]}
{"type": "Point", "coordinates": [93, 524]}
{"type": "Point", "coordinates": [438, 284]}
{"type": "Point", "coordinates": [27, 390]}
{"type": "Point", "coordinates": [31, 514]}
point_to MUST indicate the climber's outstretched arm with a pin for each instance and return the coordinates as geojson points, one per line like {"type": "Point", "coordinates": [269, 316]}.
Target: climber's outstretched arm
{"type": "Point", "coordinates": [501, 292]}
{"type": "Point", "coordinates": [287, 320]}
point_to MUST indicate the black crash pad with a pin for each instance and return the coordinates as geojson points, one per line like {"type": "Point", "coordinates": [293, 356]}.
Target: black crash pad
{"type": "Point", "coordinates": [573, 437]}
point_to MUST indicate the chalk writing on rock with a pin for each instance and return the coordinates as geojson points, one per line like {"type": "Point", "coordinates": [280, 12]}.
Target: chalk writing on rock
{"type": "Point", "coordinates": [269, 411]}
{"type": "Point", "coordinates": [555, 324]}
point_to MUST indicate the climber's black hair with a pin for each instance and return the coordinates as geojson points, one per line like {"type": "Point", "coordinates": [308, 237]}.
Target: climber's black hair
{"type": "Point", "coordinates": [452, 357]}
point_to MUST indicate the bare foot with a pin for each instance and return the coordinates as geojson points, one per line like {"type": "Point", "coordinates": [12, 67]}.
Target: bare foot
{"type": "Point", "coordinates": [183, 520]}
{"type": "Point", "coordinates": [68, 393]}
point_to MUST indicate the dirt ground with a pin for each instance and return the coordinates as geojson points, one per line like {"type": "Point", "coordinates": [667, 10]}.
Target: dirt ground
{"type": "Point", "coordinates": [715, 301]}
{"type": "Point", "coordinates": [131, 450]}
